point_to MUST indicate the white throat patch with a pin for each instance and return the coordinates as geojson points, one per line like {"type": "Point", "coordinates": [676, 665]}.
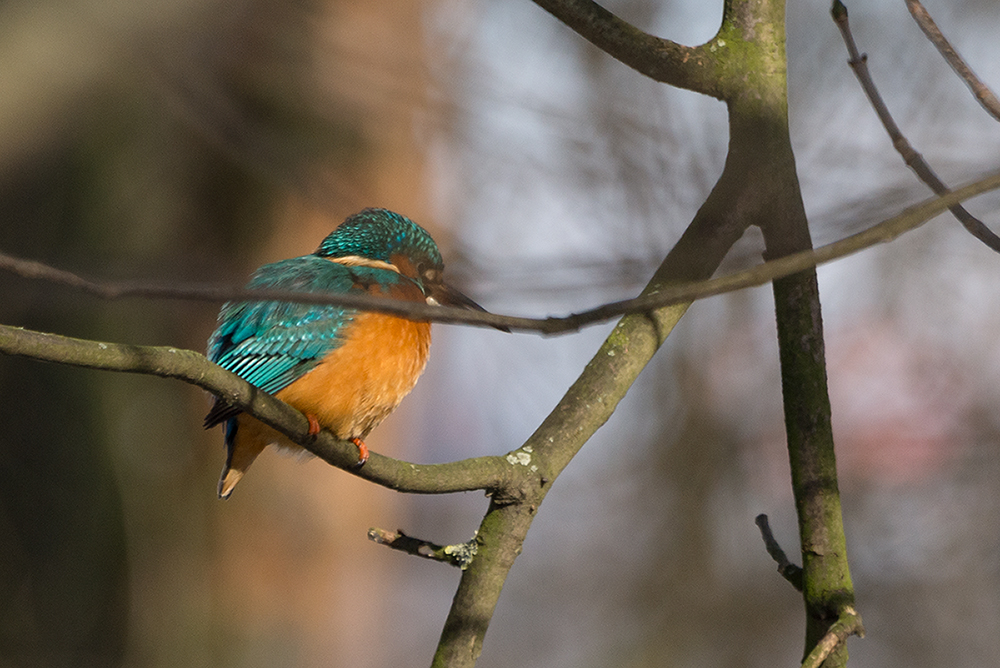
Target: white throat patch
{"type": "Point", "coordinates": [358, 261]}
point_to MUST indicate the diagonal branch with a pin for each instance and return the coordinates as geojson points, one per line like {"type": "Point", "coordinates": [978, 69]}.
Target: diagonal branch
{"type": "Point", "coordinates": [982, 92]}
{"type": "Point", "coordinates": [487, 473]}
{"type": "Point", "coordinates": [585, 407]}
{"type": "Point", "coordinates": [916, 162]}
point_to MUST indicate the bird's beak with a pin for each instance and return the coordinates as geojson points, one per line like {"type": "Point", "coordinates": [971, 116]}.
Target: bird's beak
{"type": "Point", "coordinates": [448, 296]}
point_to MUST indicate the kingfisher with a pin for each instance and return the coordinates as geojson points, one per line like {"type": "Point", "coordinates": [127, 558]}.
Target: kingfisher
{"type": "Point", "coordinates": [344, 368]}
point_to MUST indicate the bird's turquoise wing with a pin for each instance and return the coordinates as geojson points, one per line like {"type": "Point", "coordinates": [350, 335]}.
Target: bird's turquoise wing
{"type": "Point", "coordinates": [272, 344]}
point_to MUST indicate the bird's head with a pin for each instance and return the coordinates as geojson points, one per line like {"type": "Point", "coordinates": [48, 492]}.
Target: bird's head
{"type": "Point", "coordinates": [382, 238]}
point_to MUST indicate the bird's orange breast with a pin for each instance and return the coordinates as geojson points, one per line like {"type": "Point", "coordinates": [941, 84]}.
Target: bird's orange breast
{"type": "Point", "coordinates": [358, 384]}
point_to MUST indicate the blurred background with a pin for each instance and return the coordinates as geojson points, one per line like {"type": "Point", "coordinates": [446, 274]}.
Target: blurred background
{"type": "Point", "coordinates": [194, 141]}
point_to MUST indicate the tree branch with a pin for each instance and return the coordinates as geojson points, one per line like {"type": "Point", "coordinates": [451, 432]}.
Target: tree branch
{"type": "Point", "coordinates": [916, 162]}
{"type": "Point", "coordinates": [788, 570]}
{"type": "Point", "coordinates": [659, 59]}
{"type": "Point", "coordinates": [982, 92]}
{"type": "Point", "coordinates": [585, 407]}
{"type": "Point", "coordinates": [460, 555]}
{"type": "Point", "coordinates": [826, 580]}
{"type": "Point", "coordinates": [848, 624]}
{"type": "Point", "coordinates": [488, 473]}
{"type": "Point", "coordinates": [665, 295]}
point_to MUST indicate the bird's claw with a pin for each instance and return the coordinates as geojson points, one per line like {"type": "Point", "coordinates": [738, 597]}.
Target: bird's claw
{"type": "Point", "coordinates": [362, 452]}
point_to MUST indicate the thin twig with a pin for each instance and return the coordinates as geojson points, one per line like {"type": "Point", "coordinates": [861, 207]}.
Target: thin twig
{"type": "Point", "coordinates": [460, 555]}
{"type": "Point", "coordinates": [982, 92]}
{"type": "Point", "coordinates": [788, 570]}
{"type": "Point", "coordinates": [112, 290]}
{"type": "Point", "coordinates": [916, 162]}
{"type": "Point", "coordinates": [848, 624]}
{"type": "Point", "coordinates": [678, 293]}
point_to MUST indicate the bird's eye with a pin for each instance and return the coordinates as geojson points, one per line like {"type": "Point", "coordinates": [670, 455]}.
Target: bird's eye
{"type": "Point", "coordinates": [425, 272]}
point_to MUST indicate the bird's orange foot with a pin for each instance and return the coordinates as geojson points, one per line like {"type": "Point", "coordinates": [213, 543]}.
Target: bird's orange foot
{"type": "Point", "coordinates": [362, 452]}
{"type": "Point", "coordinates": [314, 427]}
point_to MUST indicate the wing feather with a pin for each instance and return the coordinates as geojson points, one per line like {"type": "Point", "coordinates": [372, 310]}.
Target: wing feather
{"type": "Point", "coordinates": [272, 344]}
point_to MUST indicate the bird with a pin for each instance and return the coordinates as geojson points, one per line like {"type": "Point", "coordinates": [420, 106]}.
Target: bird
{"type": "Point", "coordinates": [344, 368]}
